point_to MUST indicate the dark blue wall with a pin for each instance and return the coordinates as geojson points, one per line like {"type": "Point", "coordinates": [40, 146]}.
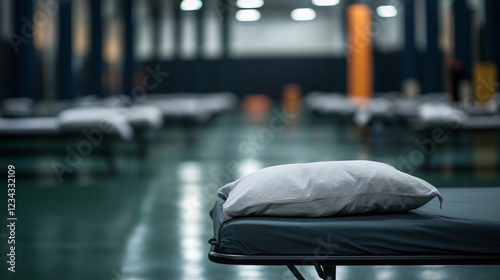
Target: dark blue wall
{"type": "Point", "coordinates": [268, 75]}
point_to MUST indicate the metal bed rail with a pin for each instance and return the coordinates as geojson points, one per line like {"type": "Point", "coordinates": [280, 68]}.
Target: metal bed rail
{"type": "Point", "coordinates": [326, 265]}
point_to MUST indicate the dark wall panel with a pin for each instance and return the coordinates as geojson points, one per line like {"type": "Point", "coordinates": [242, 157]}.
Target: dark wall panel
{"type": "Point", "coordinates": [388, 72]}
{"type": "Point", "coordinates": [268, 75]}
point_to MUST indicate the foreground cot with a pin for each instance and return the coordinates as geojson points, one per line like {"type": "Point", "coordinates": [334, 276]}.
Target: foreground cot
{"type": "Point", "coordinates": [464, 232]}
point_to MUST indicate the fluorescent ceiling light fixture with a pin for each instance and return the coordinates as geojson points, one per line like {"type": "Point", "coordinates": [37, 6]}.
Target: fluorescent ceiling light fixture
{"type": "Point", "coordinates": [325, 2]}
{"type": "Point", "coordinates": [387, 11]}
{"type": "Point", "coordinates": [248, 15]}
{"type": "Point", "coordinates": [250, 4]}
{"type": "Point", "coordinates": [191, 5]}
{"type": "Point", "coordinates": [303, 14]}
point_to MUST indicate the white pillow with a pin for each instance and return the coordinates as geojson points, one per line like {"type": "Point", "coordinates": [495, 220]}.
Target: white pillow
{"type": "Point", "coordinates": [441, 114]}
{"type": "Point", "coordinates": [325, 188]}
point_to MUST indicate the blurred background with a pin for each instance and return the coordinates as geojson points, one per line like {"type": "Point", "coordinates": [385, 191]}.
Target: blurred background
{"type": "Point", "coordinates": [122, 118]}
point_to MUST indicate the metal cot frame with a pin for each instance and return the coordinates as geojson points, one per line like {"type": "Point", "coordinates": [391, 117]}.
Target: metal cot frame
{"type": "Point", "coordinates": [326, 265]}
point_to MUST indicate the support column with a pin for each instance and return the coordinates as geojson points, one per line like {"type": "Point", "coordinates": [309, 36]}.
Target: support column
{"type": "Point", "coordinates": [96, 48]}
{"type": "Point", "coordinates": [177, 29]}
{"type": "Point", "coordinates": [200, 38]}
{"type": "Point", "coordinates": [462, 26]}
{"type": "Point", "coordinates": [200, 43]}
{"type": "Point", "coordinates": [492, 31]}
{"type": "Point", "coordinates": [433, 75]}
{"type": "Point", "coordinates": [22, 42]}
{"type": "Point", "coordinates": [485, 69]}
{"type": "Point", "coordinates": [410, 85]}
{"type": "Point", "coordinates": [360, 59]}
{"type": "Point", "coordinates": [176, 65]}
{"type": "Point", "coordinates": [66, 88]}
{"type": "Point", "coordinates": [2, 89]}
{"type": "Point", "coordinates": [225, 63]}
{"type": "Point", "coordinates": [409, 55]}
{"type": "Point", "coordinates": [156, 16]}
{"type": "Point", "coordinates": [128, 45]}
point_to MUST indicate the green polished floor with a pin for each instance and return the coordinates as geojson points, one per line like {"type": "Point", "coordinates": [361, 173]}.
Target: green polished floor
{"type": "Point", "coordinates": [151, 221]}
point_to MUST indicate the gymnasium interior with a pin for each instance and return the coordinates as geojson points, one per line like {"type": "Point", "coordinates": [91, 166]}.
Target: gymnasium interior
{"type": "Point", "coordinates": [121, 119]}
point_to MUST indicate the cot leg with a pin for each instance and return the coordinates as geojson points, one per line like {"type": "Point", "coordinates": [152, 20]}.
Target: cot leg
{"type": "Point", "coordinates": [108, 155]}
{"type": "Point", "coordinates": [329, 272]}
{"type": "Point", "coordinates": [296, 272]}
{"type": "Point", "coordinates": [142, 144]}
{"type": "Point", "coordinates": [427, 158]}
{"type": "Point", "coordinates": [319, 270]}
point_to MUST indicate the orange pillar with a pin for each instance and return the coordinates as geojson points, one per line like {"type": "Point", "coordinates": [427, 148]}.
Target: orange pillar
{"type": "Point", "coordinates": [360, 57]}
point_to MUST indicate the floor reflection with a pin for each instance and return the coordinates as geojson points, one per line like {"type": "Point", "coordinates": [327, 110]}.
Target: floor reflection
{"type": "Point", "coordinates": [191, 216]}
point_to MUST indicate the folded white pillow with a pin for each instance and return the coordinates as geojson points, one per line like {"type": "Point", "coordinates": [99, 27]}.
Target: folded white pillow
{"type": "Point", "coordinates": [322, 189]}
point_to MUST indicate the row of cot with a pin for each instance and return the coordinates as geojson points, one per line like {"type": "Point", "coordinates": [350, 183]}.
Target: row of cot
{"type": "Point", "coordinates": [196, 106]}
{"type": "Point", "coordinates": [432, 117]}
{"type": "Point", "coordinates": [428, 112]}
{"type": "Point", "coordinates": [111, 119]}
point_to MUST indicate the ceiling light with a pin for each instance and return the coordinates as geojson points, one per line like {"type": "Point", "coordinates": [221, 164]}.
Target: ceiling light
{"type": "Point", "coordinates": [303, 14]}
{"type": "Point", "coordinates": [325, 2]}
{"type": "Point", "coordinates": [191, 5]}
{"type": "Point", "coordinates": [248, 15]}
{"type": "Point", "coordinates": [250, 4]}
{"type": "Point", "coordinates": [387, 11]}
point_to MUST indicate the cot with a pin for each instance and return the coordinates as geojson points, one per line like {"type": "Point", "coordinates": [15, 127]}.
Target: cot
{"type": "Point", "coordinates": [87, 124]}
{"type": "Point", "coordinates": [196, 107]}
{"type": "Point", "coordinates": [464, 232]}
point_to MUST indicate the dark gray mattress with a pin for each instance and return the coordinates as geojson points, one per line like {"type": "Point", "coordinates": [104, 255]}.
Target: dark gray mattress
{"type": "Point", "coordinates": [468, 223]}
